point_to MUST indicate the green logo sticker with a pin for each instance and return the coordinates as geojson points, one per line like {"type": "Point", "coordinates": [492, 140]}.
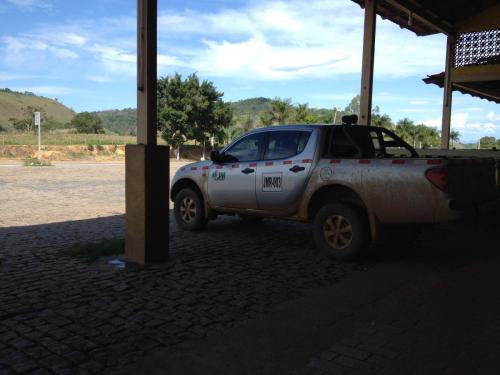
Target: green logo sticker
{"type": "Point", "coordinates": [218, 176]}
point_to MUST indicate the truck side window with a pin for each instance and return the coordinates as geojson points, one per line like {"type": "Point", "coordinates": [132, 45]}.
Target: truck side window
{"type": "Point", "coordinates": [286, 143]}
{"type": "Point", "coordinates": [246, 149]}
{"type": "Point", "coordinates": [341, 146]}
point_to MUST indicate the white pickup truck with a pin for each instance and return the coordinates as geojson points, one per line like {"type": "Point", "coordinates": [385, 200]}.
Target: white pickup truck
{"type": "Point", "coordinates": [351, 181]}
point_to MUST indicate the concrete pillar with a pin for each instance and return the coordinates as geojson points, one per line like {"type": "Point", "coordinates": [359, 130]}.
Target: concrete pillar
{"type": "Point", "coordinates": [447, 95]}
{"type": "Point", "coordinates": [147, 164]}
{"type": "Point", "coordinates": [368, 62]}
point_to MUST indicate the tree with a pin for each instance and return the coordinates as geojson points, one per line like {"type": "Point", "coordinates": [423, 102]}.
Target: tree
{"type": "Point", "coordinates": [173, 111]}
{"type": "Point", "coordinates": [455, 137]}
{"type": "Point", "coordinates": [86, 122]}
{"type": "Point", "coordinates": [354, 106]}
{"type": "Point", "coordinates": [27, 121]}
{"type": "Point", "coordinates": [190, 110]}
{"type": "Point", "coordinates": [304, 115]}
{"type": "Point", "coordinates": [281, 110]}
{"type": "Point", "coordinates": [426, 136]}
{"type": "Point", "coordinates": [405, 128]}
{"type": "Point", "coordinates": [382, 120]}
{"type": "Point", "coordinates": [301, 112]}
{"type": "Point", "coordinates": [488, 142]}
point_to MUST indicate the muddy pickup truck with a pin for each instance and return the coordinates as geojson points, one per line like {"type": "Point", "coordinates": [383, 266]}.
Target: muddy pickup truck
{"type": "Point", "coordinates": [350, 181]}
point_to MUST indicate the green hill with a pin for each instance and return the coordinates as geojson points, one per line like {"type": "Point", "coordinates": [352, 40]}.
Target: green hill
{"type": "Point", "coordinates": [13, 103]}
{"type": "Point", "coordinates": [124, 121]}
{"type": "Point", "coordinates": [119, 121]}
{"type": "Point", "coordinates": [253, 106]}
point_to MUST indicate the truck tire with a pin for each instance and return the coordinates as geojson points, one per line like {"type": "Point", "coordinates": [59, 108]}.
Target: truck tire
{"type": "Point", "coordinates": [189, 211]}
{"type": "Point", "coordinates": [340, 231]}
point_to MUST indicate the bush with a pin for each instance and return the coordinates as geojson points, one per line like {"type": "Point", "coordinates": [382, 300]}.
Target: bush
{"type": "Point", "coordinates": [86, 122]}
{"type": "Point", "coordinates": [92, 251]}
{"type": "Point", "coordinates": [35, 162]}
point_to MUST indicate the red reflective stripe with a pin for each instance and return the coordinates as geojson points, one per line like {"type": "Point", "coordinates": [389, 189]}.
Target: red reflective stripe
{"type": "Point", "coordinates": [253, 165]}
{"type": "Point", "coordinates": [365, 161]}
{"type": "Point", "coordinates": [398, 162]}
{"type": "Point", "coordinates": [206, 167]}
{"type": "Point", "coordinates": [269, 163]}
{"type": "Point", "coordinates": [235, 166]}
{"type": "Point", "coordinates": [287, 162]}
{"type": "Point", "coordinates": [307, 161]}
{"type": "Point", "coordinates": [335, 161]}
{"type": "Point", "coordinates": [434, 162]}
{"type": "Point", "coordinates": [194, 168]}
{"type": "Point", "coordinates": [219, 167]}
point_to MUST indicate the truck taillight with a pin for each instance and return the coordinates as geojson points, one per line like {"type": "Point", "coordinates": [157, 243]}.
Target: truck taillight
{"type": "Point", "coordinates": [438, 177]}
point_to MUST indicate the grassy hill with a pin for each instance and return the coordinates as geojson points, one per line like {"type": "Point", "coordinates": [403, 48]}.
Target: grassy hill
{"type": "Point", "coordinates": [12, 104]}
{"type": "Point", "coordinates": [124, 121]}
{"type": "Point", "coordinates": [119, 121]}
{"type": "Point", "coordinates": [253, 106]}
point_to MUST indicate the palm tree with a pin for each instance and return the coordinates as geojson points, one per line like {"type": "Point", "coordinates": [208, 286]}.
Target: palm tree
{"type": "Point", "coordinates": [405, 128]}
{"type": "Point", "coordinates": [454, 137]}
{"type": "Point", "coordinates": [281, 109]}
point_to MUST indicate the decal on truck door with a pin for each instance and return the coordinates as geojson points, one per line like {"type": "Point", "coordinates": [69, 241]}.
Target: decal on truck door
{"type": "Point", "coordinates": [272, 182]}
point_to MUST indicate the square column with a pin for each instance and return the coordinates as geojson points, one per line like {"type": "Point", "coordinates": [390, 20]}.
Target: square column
{"type": "Point", "coordinates": [368, 62]}
{"type": "Point", "coordinates": [147, 164]}
{"type": "Point", "coordinates": [447, 95]}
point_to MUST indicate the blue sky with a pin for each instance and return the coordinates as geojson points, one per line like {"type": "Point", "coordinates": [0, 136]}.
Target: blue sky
{"type": "Point", "coordinates": [83, 53]}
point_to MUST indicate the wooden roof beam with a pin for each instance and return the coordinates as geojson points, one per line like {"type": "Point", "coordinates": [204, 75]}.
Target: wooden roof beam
{"type": "Point", "coordinates": [421, 14]}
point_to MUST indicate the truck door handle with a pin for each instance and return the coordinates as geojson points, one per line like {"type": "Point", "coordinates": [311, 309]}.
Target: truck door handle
{"type": "Point", "coordinates": [296, 169]}
{"type": "Point", "coordinates": [248, 170]}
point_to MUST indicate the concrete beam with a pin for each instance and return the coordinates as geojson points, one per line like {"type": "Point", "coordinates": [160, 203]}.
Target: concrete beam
{"type": "Point", "coordinates": [370, 27]}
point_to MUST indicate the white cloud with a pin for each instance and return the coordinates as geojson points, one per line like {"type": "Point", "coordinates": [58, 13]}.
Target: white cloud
{"type": "Point", "coordinates": [435, 123]}
{"type": "Point", "coordinates": [287, 40]}
{"type": "Point", "coordinates": [49, 90]}
{"type": "Point", "coordinates": [31, 4]}
{"type": "Point", "coordinates": [99, 79]}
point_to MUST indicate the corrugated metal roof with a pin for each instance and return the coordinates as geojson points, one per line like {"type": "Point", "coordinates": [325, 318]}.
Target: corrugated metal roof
{"type": "Point", "coordinates": [489, 90]}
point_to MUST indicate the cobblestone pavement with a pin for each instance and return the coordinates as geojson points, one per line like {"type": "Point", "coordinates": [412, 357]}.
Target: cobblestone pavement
{"type": "Point", "coordinates": [448, 324]}
{"type": "Point", "coordinates": [61, 315]}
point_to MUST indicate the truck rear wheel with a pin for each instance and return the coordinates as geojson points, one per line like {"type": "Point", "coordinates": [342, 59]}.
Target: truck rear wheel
{"type": "Point", "coordinates": [188, 210]}
{"type": "Point", "coordinates": [340, 231]}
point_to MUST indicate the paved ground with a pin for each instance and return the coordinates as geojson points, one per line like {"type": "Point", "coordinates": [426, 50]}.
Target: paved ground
{"type": "Point", "coordinates": [233, 299]}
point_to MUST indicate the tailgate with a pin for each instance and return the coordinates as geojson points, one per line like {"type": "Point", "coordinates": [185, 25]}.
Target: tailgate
{"type": "Point", "coordinates": [472, 180]}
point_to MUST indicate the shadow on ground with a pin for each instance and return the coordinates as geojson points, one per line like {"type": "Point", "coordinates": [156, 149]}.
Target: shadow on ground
{"type": "Point", "coordinates": [61, 314]}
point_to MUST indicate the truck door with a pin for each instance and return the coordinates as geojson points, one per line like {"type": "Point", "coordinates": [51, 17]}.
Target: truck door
{"type": "Point", "coordinates": [231, 184]}
{"type": "Point", "coordinates": [285, 169]}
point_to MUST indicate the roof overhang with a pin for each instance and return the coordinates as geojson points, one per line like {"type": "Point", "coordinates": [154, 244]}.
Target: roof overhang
{"type": "Point", "coordinates": [489, 89]}
{"type": "Point", "coordinates": [426, 17]}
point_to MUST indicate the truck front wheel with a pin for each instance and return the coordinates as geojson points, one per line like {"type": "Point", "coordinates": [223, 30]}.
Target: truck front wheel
{"type": "Point", "coordinates": [340, 231]}
{"type": "Point", "coordinates": [188, 210]}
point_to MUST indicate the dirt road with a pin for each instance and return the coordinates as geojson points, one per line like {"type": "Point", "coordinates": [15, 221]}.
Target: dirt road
{"type": "Point", "coordinates": [65, 191]}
